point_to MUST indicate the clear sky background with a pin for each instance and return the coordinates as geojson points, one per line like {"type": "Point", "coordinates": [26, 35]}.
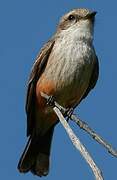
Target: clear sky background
{"type": "Point", "coordinates": [25, 26]}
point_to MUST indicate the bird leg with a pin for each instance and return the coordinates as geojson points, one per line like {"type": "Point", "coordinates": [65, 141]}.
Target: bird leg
{"type": "Point", "coordinates": [51, 101]}
{"type": "Point", "coordinates": [68, 113]}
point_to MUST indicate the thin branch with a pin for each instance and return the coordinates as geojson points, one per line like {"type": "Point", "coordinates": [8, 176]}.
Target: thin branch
{"type": "Point", "coordinates": [79, 146]}
{"type": "Point", "coordinates": [75, 140]}
{"type": "Point", "coordinates": [83, 125]}
{"type": "Point", "coordinates": [94, 135]}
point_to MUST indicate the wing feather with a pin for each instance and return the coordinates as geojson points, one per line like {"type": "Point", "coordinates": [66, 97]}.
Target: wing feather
{"type": "Point", "coordinates": [93, 79]}
{"type": "Point", "coordinates": [36, 72]}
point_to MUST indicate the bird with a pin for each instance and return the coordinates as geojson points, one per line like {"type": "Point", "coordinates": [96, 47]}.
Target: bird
{"type": "Point", "coordinates": [66, 68]}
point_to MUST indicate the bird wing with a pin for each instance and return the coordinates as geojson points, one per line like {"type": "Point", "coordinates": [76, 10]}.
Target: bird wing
{"type": "Point", "coordinates": [93, 79]}
{"type": "Point", "coordinates": [36, 72]}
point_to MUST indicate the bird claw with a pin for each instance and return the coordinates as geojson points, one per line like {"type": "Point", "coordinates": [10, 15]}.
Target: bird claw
{"type": "Point", "coordinates": [51, 101]}
{"type": "Point", "coordinates": [69, 113]}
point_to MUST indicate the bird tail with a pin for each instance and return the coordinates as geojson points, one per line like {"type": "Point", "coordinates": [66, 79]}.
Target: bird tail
{"type": "Point", "coordinates": [35, 157]}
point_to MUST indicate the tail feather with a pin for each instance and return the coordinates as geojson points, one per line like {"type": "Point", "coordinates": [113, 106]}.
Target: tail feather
{"type": "Point", "coordinates": [41, 167]}
{"type": "Point", "coordinates": [35, 157]}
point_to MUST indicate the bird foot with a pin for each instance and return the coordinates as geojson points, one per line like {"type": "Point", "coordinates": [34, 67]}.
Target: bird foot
{"type": "Point", "coordinates": [51, 101]}
{"type": "Point", "coordinates": [69, 113]}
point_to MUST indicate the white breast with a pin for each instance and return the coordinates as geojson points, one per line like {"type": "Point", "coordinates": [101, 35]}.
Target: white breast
{"type": "Point", "coordinates": [71, 64]}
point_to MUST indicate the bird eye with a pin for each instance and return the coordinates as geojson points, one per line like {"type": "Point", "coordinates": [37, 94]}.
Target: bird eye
{"type": "Point", "coordinates": [71, 17]}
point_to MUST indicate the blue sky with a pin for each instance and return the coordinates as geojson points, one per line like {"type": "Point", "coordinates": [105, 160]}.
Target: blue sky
{"type": "Point", "coordinates": [24, 27]}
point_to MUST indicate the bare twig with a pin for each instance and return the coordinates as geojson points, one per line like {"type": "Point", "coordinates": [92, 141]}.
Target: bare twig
{"type": "Point", "coordinates": [75, 140]}
{"type": "Point", "coordinates": [79, 146]}
{"type": "Point", "coordinates": [83, 125]}
{"type": "Point", "coordinates": [94, 135]}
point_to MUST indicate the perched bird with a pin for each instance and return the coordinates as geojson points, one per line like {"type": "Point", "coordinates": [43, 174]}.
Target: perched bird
{"type": "Point", "coordinates": [66, 68]}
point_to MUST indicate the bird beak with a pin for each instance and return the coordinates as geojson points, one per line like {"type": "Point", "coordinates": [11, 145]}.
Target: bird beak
{"type": "Point", "coordinates": [90, 15]}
